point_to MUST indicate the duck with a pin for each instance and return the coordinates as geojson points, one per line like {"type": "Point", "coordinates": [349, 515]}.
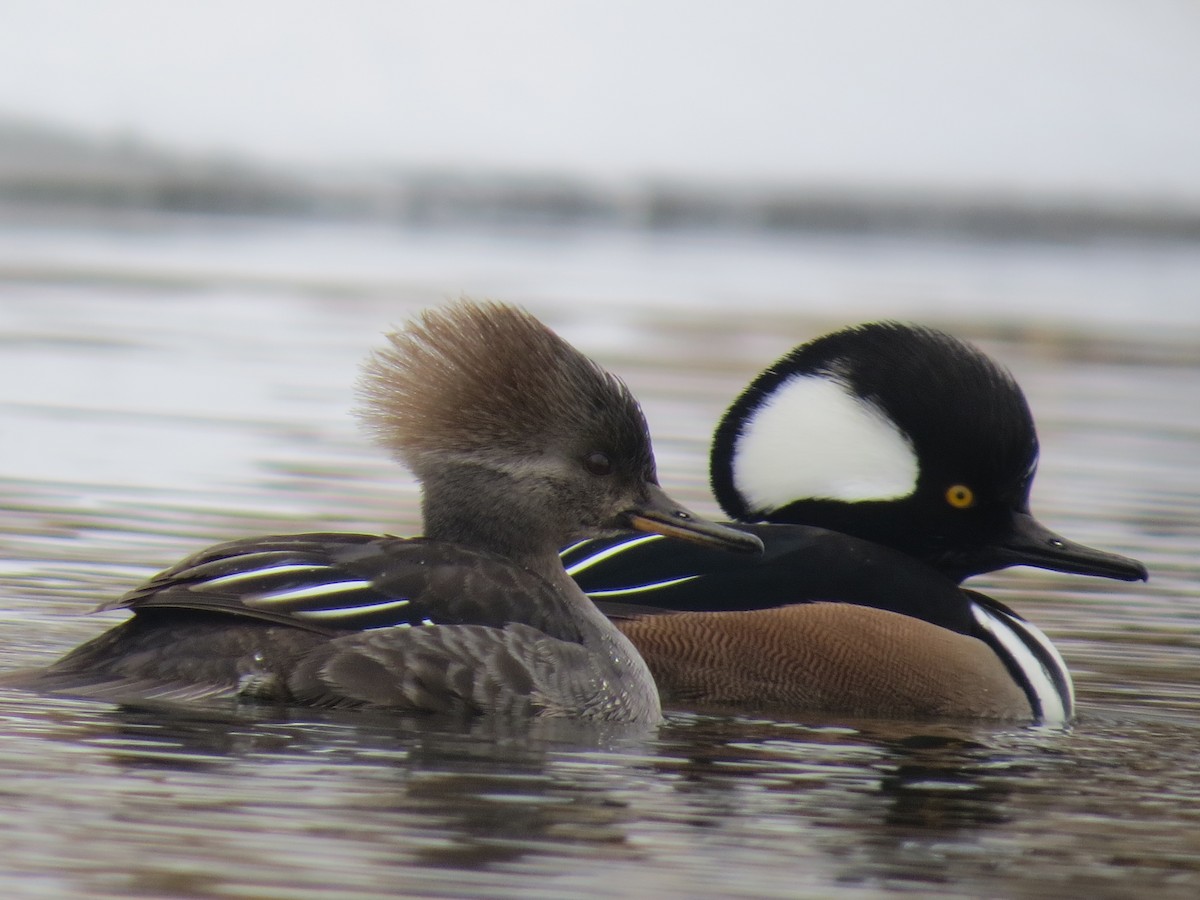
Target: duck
{"type": "Point", "coordinates": [520, 443]}
{"type": "Point", "coordinates": [881, 465]}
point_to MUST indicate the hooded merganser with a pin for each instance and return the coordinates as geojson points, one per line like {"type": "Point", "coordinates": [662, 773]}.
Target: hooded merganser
{"type": "Point", "coordinates": [521, 443]}
{"type": "Point", "coordinates": [892, 462]}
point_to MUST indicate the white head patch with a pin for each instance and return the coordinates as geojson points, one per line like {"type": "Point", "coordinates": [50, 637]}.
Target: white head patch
{"type": "Point", "coordinates": [813, 438]}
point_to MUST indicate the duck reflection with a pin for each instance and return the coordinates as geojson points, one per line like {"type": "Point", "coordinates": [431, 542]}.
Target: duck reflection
{"type": "Point", "coordinates": [430, 801]}
{"type": "Point", "coordinates": [882, 799]}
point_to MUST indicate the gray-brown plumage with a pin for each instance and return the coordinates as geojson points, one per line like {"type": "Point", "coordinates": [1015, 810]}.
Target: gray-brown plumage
{"type": "Point", "coordinates": [522, 444]}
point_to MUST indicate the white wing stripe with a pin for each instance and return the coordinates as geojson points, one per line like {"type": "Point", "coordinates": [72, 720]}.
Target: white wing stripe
{"type": "Point", "coordinates": [642, 588]}
{"type": "Point", "coordinates": [349, 612]}
{"type": "Point", "coordinates": [313, 591]}
{"type": "Point", "coordinates": [588, 561]}
{"type": "Point", "coordinates": [251, 574]}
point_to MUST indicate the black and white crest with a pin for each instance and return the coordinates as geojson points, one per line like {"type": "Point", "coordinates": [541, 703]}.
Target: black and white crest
{"type": "Point", "coordinates": [863, 414]}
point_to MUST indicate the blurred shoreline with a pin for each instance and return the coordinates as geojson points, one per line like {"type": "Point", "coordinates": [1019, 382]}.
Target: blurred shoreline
{"type": "Point", "coordinates": [48, 173]}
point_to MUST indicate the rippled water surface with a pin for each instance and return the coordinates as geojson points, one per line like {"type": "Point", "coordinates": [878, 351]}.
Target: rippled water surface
{"type": "Point", "coordinates": [165, 388]}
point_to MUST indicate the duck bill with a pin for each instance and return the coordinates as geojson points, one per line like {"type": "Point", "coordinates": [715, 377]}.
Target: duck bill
{"type": "Point", "coordinates": [659, 513]}
{"type": "Point", "coordinates": [1033, 544]}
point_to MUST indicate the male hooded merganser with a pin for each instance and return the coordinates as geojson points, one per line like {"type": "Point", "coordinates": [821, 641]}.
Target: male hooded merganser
{"type": "Point", "coordinates": [521, 443]}
{"type": "Point", "coordinates": [892, 462]}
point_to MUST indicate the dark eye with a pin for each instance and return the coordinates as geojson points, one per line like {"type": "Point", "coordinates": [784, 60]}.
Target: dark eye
{"type": "Point", "coordinates": [597, 463]}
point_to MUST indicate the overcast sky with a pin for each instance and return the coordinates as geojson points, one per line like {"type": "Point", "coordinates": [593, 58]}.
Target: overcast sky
{"type": "Point", "coordinates": [1064, 95]}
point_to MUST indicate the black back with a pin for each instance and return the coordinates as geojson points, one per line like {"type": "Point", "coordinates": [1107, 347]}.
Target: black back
{"type": "Point", "coordinates": [800, 564]}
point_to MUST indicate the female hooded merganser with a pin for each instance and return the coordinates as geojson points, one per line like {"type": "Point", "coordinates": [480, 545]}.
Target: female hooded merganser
{"type": "Point", "coordinates": [893, 462]}
{"type": "Point", "coordinates": [520, 443]}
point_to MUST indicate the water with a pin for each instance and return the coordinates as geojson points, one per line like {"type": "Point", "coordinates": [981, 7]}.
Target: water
{"type": "Point", "coordinates": [171, 384]}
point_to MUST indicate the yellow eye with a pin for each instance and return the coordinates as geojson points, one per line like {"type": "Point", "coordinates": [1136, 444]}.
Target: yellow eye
{"type": "Point", "coordinates": [960, 496]}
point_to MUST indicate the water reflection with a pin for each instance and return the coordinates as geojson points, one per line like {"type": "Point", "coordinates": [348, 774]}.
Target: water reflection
{"type": "Point", "coordinates": [256, 796]}
{"type": "Point", "coordinates": [478, 794]}
{"type": "Point", "coordinates": [878, 792]}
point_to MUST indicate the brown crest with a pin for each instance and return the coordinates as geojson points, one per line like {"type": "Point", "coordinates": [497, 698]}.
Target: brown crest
{"type": "Point", "coordinates": [486, 377]}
